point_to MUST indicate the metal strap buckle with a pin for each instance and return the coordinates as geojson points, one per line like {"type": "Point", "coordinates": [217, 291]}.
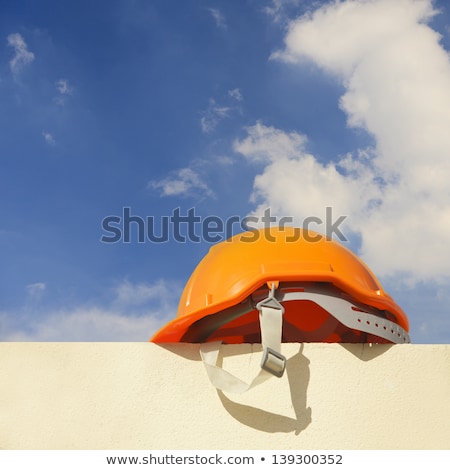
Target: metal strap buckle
{"type": "Point", "coordinates": [270, 301]}
{"type": "Point", "coordinates": [273, 362]}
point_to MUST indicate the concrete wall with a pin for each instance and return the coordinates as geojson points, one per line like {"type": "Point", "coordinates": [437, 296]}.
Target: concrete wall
{"type": "Point", "coordinates": [144, 396]}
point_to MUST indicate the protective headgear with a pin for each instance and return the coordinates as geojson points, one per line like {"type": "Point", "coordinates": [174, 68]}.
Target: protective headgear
{"type": "Point", "coordinates": [283, 285]}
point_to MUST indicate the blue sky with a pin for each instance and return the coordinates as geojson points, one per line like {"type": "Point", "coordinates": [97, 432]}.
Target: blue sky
{"type": "Point", "coordinates": [228, 107]}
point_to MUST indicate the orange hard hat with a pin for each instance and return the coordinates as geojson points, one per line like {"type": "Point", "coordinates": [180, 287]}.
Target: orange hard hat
{"type": "Point", "coordinates": [305, 268]}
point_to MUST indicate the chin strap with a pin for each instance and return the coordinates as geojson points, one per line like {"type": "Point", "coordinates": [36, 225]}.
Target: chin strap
{"type": "Point", "coordinates": [272, 363]}
{"type": "Point", "coordinates": [271, 320]}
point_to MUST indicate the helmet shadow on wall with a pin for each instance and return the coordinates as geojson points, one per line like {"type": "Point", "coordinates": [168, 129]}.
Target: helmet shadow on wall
{"type": "Point", "coordinates": [367, 351]}
{"type": "Point", "coordinates": [298, 375]}
{"type": "Point", "coordinates": [298, 378]}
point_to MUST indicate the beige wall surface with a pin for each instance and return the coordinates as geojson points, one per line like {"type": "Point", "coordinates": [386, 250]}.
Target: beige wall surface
{"type": "Point", "coordinates": [146, 396]}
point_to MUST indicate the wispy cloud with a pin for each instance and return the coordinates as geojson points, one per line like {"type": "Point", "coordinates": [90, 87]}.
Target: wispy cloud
{"type": "Point", "coordinates": [219, 18]}
{"type": "Point", "coordinates": [127, 293]}
{"type": "Point", "coordinates": [183, 182]}
{"type": "Point", "coordinates": [36, 290]}
{"type": "Point", "coordinates": [277, 9]}
{"type": "Point", "coordinates": [235, 94]}
{"type": "Point", "coordinates": [36, 287]}
{"type": "Point", "coordinates": [22, 56]}
{"type": "Point", "coordinates": [49, 138]}
{"type": "Point", "coordinates": [396, 76]}
{"type": "Point", "coordinates": [212, 116]}
{"type": "Point", "coordinates": [215, 113]}
{"type": "Point", "coordinates": [64, 89]}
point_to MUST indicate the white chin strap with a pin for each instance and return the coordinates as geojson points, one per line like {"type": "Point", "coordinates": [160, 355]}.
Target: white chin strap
{"type": "Point", "coordinates": [271, 320]}
{"type": "Point", "coordinates": [272, 363]}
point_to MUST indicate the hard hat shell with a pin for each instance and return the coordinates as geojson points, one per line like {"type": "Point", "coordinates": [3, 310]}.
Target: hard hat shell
{"type": "Point", "coordinates": [236, 268]}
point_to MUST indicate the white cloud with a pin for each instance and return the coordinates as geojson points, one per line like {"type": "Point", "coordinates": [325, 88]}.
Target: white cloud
{"type": "Point", "coordinates": [22, 56]}
{"type": "Point", "coordinates": [184, 182]}
{"type": "Point", "coordinates": [219, 18]}
{"type": "Point", "coordinates": [49, 138]}
{"type": "Point", "coordinates": [295, 184]}
{"type": "Point", "coordinates": [135, 313]}
{"type": "Point", "coordinates": [396, 76]}
{"type": "Point", "coordinates": [267, 144]}
{"type": "Point", "coordinates": [85, 324]}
